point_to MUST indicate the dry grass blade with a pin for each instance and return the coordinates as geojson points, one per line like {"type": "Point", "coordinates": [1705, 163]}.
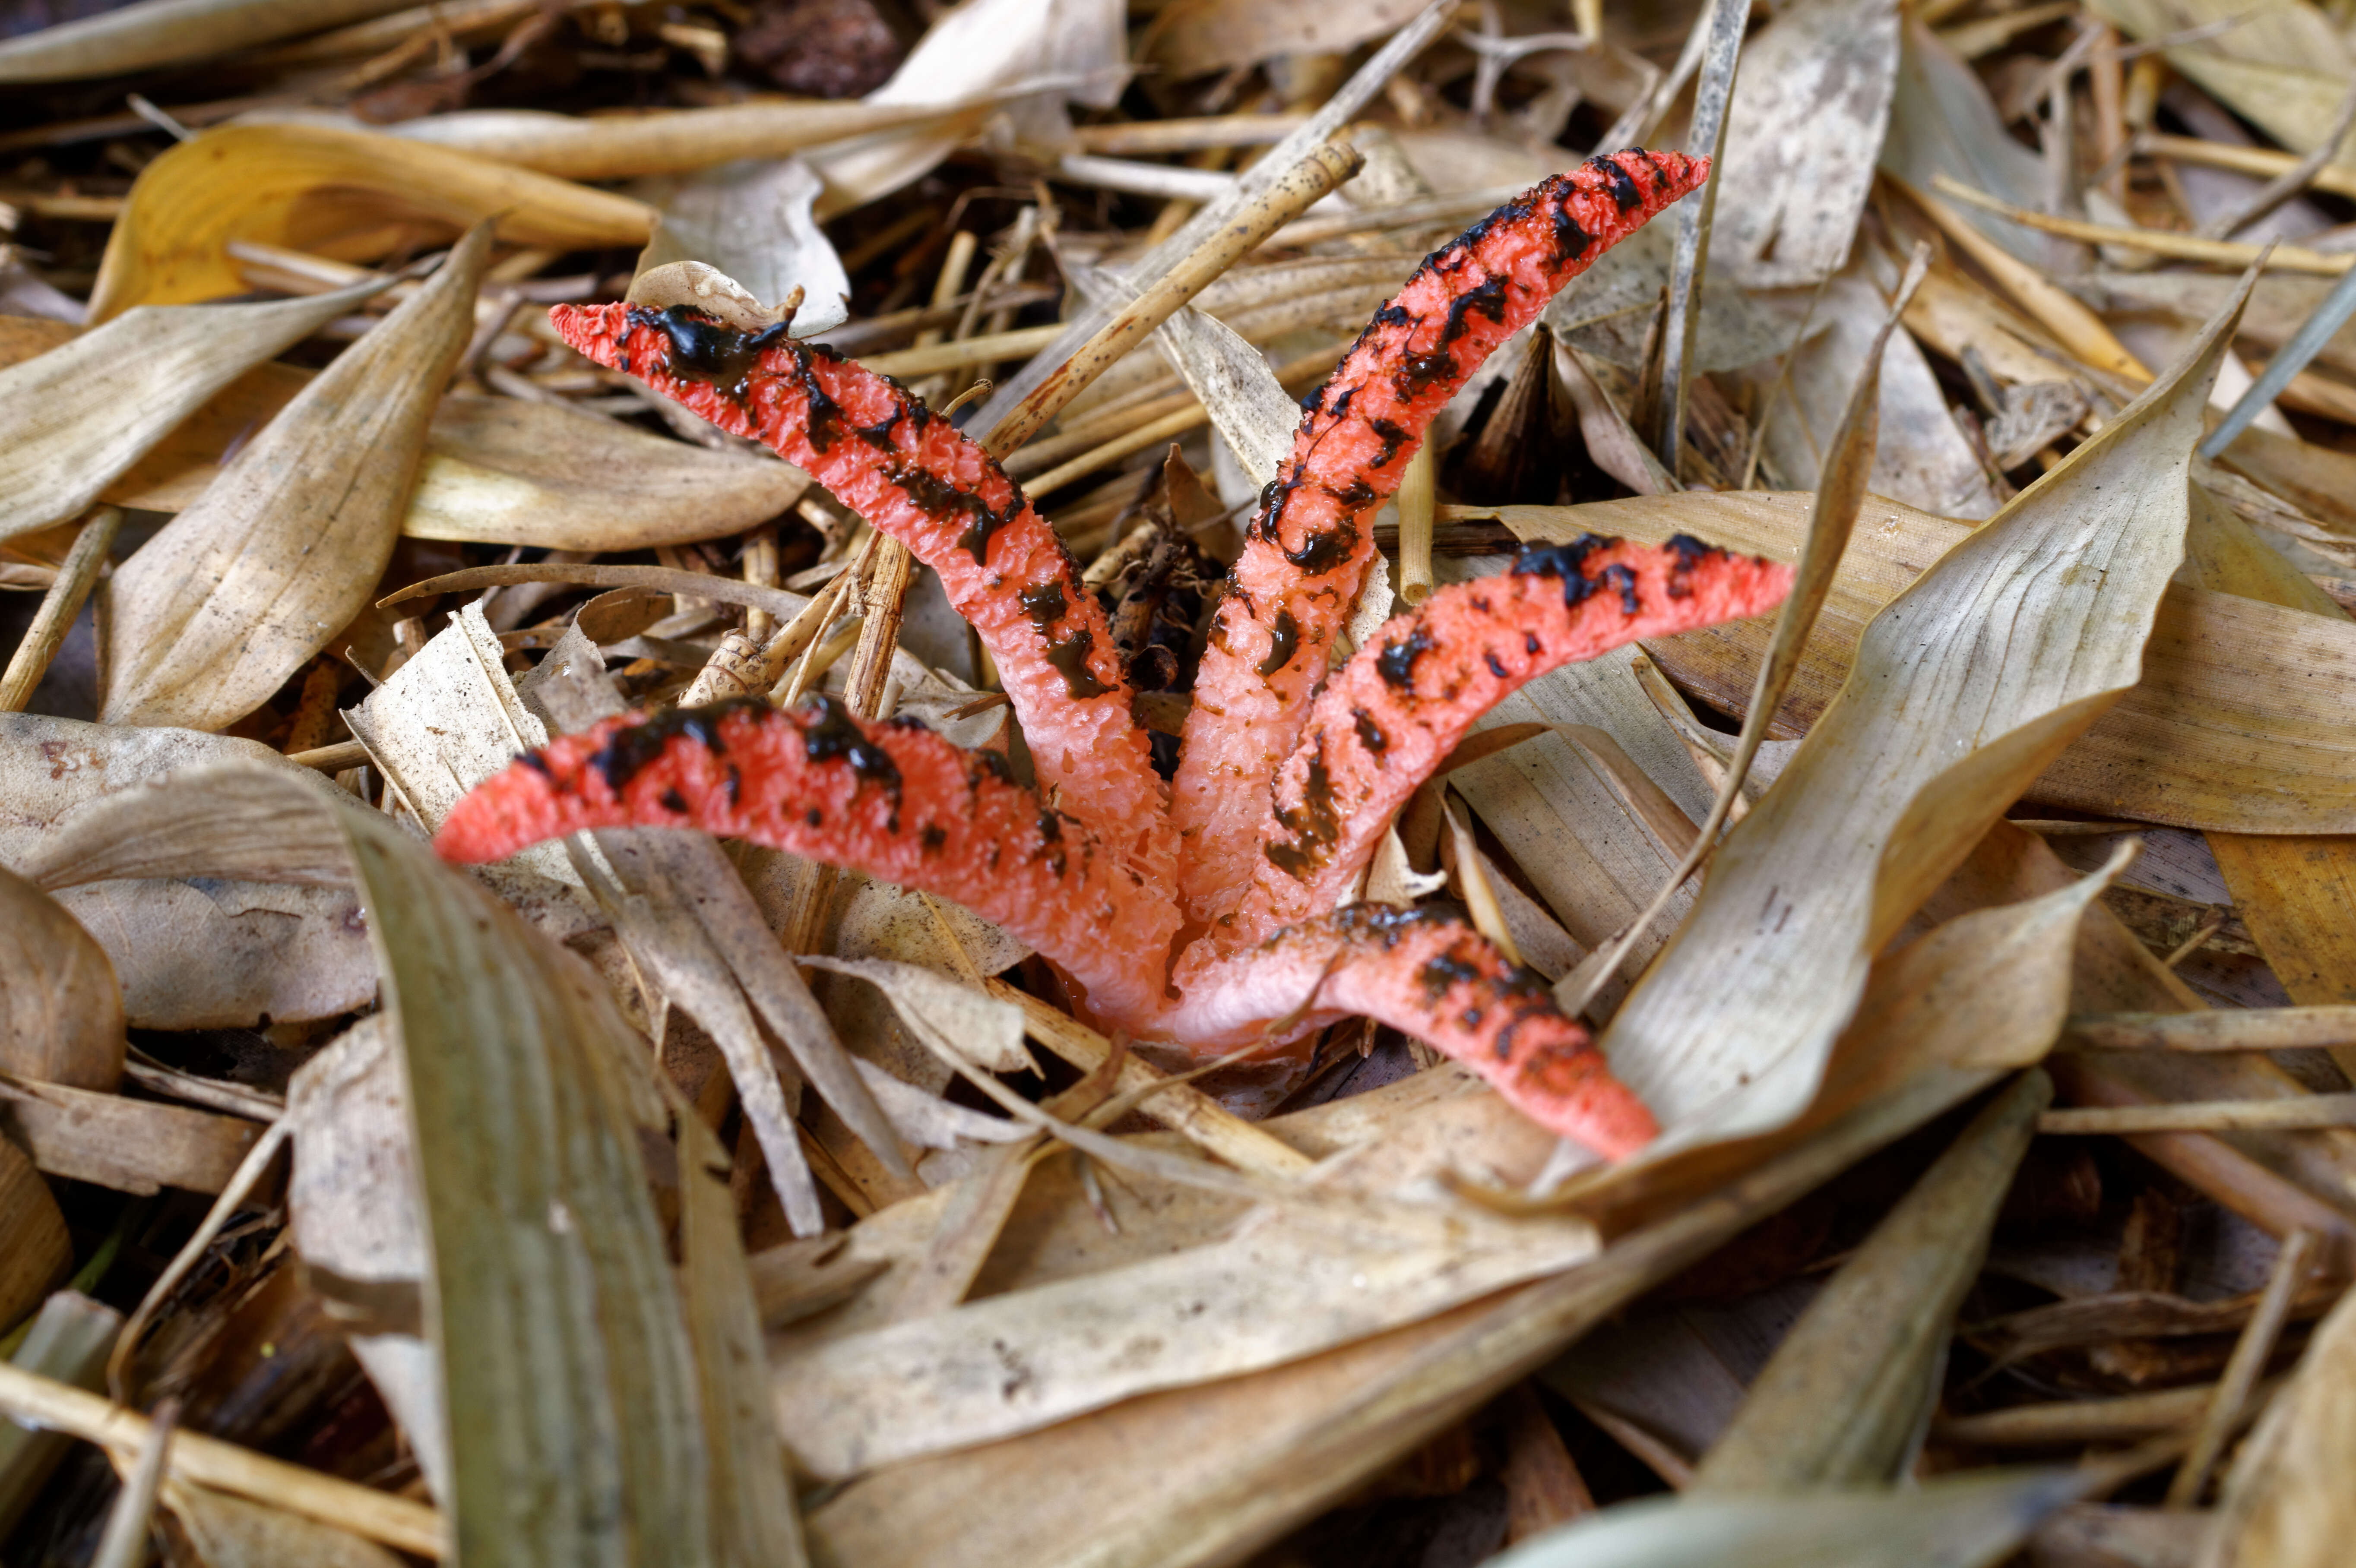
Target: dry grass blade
{"type": "Point", "coordinates": [2285, 1504]}
{"type": "Point", "coordinates": [777, 602]}
{"type": "Point", "coordinates": [1872, 1344]}
{"type": "Point", "coordinates": [301, 187]}
{"type": "Point", "coordinates": [60, 605]}
{"type": "Point", "coordinates": [2257, 1029]}
{"type": "Point", "coordinates": [61, 1010]}
{"type": "Point", "coordinates": [166, 32]}
{"type": "Point", "coordinates": [1956, 1522]}
{"type": "Point", "coordinates": [2242, 1372]}
{"type": "Point", "coordinates": [214, 612]}
{"type": "Point", "coordinates": [85, 411]}
{"type": "Point", "coordinates": [1944, 718]}
{"type": "Point", "coordinates": [1713, 96]}
{"type": "Point", "coordinates": [1830, 522]}
{"type": "Point", "coordinates": [397, 1521]}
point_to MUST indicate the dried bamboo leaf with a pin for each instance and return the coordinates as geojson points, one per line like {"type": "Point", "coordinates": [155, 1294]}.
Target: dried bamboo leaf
{"type": "Point", "coordinates": [2282, 65]}
{"type": "Point", "coordinates": [191, 949]}
{"type": "Point", "coordinates": [503, 471]}
{"type": "Point", "coordinates": [1208, 1475]}
{"type": "Point", "coordinates": [166, 32]}
{"type": "Point", "coordinates": [1228, 33]}
{"type": "Point", "coordinates": [130, 1145]}
{"type": "Point", "coordinates": [356, 1218]}
{"type": "Point", "coordinates": [969, 1022]}
{"type": "Point", "coordinates": [1808, 118]}
{"type": "Point", "coordinates": [752, 221]}
{"type": "Point", "coordinates": [1076, 47]}
{"type": "Point", "coordinates": [305, 187]}
{"type": "Point", "coordinates": [229, 1532]}
{"type": "Point", "coordinates": [2297, 893]}
{"type": "Point", "coordinates": [2287, 1504]}
{"type": "Point", "coordinates": [1941, 120]}
{"type": "Point", "coordinates": [1945, 717]}
{"type": "Point", "coordinates": [1292, 1282]}
{"type": "Point", "coordinates": [1846, 1396]}
{"type": "Point", "coordinates": [1233, 381]}
{"type": "Point", "coordinates": [213, 613]}
{"type": "Point", "coordinates": [662, 142]}
{"type": "Point", "coordinates": [60, 1008]}
{"type": "Point", "coordinates": [35, 1249]}
{"type": "Point", "coordinates": [82, 413]}
{"type": "Point", "coordinates": [1957, 1521]}
{"type": "Point", "coordinates": [1983, 993]}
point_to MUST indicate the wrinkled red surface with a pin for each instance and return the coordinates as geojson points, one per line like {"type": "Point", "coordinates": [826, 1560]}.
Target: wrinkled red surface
{"type": "Point", "coordinates": [1097, 884]}
{"type": "Point", "coordinates": [1401, 704]}
{"type": "Point", "coordinates": [887, 458]}
{"type": "Point", "coordinates": [1467, 299]}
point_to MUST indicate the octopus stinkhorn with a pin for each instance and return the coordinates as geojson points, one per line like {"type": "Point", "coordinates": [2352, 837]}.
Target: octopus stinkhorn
{"type": "Point", "coordinates": [1204, 912]}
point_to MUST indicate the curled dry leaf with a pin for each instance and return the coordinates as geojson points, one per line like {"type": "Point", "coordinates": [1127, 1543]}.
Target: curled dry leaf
{"type": "Point", "coordinates": [302, 186]}
{"type": "Point", "coordinates": [60, 1009]}
{"type": "Point", "coordinates": [194, 945]}
{"type": "Point", "coordinates": [86, 410]}
{"type": "Point", "coordinates": [1946, 716]}
{"type": "Point", "coordinates": [213, 613]}
{"type": "Point", "coordinates": [751, 221]}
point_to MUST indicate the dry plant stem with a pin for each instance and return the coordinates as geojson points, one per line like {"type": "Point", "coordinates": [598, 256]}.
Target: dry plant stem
{"type": "Point", "coordinates": [124, 1542]}
{"type": "Point", "coordinates": [1416, 500]}
{"type": "Point", "coordinates": [249, 1172]}
{"type": "Point", "coordinates": [331, 759]}
{"type": "Point", "coordinates": [1316, 175]}
{"type": "Point", "coordinates": [2254, 1028]}
{"type": "Point", "coordinates": [1713, 98]}
{"type": "Point", "coordinates": [2313, 336]}
{"type": "Point", "coordinates": [2126, 1417]}
{"type": "Point", "coordinates": [1839, 497]}
{"type": "Point", "coordinates": [1150, 138]}
{"type": "Point", "coordinates": [1452, 208]}
{"type": "Point", "coordinates": [224, 1466]}
{"type": "Point", "coordinates": [2241, 1374]}
{"type": "Point", "coordinates": [60, 605]}
{"type": "Point", "coordinates": [1188, 414]}
{"type": "Point", "coordinates": [927, 360]}
{"type": "Point", "coordinates": [2159, 241]}
{"type": "Point", "coordinates": [2077, 328]}
{"type": "Point", "coordinates": [2264, 162]}
{"type": "Point", "coordinates": [2291, 182]}
{"type": "Point", "coordinates": [2297, 1112]}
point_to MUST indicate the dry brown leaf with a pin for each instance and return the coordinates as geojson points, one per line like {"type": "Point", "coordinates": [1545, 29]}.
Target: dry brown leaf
{"type": "Point", "coordinates": [36, 1249]}
{"type": "Point", "coordinates": [213, 614]}
{"type": "Point", "coordinates": [230, 1532]}
{"type": "Point", "coordinates": [1946, 716]}
{"type": "Point", "coordinates": [132, 1145]}
{"type": "Point", "coordinates": [2287, 1503]}
{"type": "Point", "coordinates": [165, 32]}
{"type": "Point", "coordinates": [1811, 103]}
{"type": "Point", "coordinates": [192, 949]}
{"type": "Point", "coordinates": [83, 413]}
{"type": "Point", "coordinates": [305, 188]}
{"type": "Point", "coordinates": [2281, 64]}
{"type": "Point", "coordinates": [60, 1008]}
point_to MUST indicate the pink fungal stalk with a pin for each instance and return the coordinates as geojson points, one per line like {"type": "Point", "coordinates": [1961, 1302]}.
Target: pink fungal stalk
{"type": "Point", "coordinates": [1205, 915]}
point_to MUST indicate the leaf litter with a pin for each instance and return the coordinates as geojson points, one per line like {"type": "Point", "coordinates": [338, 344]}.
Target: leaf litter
{"type": "Point", "coordinates": [659, 1193]}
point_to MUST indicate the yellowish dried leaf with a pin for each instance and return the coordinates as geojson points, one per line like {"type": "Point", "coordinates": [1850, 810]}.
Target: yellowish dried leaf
{"type": "Point", "coordinates": [1949, 713]}
{"type": "Point", "coordinates": [306, 188]}
{"type": "Point", "coordinates": [60, 1008]}
{"type": "Point", "coordinates": [214, 612]}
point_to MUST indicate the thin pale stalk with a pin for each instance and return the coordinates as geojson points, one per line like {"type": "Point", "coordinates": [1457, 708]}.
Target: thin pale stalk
{"type": "Point", "coordinates": [60, 605]}
{"type": "Point", "coordinates": [1188, 414]}
{"type": "Point", "coordinates": [2298, 1112]}
{"type": "Point", "coordinates": [1722, 53]}
{"type": "Point", "coordinates": [2263, 162]}
{"type": "Point", "coordinates": [1319, 174]}
{"type": "Point", "coordinates": [2222, 1029]}
{"type": "Point", "coordinates": [1839, 496]}
{"type": "Point", "coordinates": [2241, 1375]}
{"type": "Point", "coordinates": [2289, 184]}
{"type": "Point", "coordinates": [2159, 241]}
{"type": "Point", "coordinates": [396, 1522]}
{"type": "Point", "coordinates": [1337, 111]}
{"type": "Point", "coordinates": [124, 1542]}
{"type": "Point", "coordinates": [1416, 500]}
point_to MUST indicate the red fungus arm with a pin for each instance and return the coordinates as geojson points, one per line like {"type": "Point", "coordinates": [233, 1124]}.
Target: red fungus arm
{"type": "Point", "coordinates": [1430, 975]}
{"type": "Point", "coordinates": [892, 800]}
{"type": "Point", "coordinates": [1307, 552]}
{"type": "Point", "coordinates": [1401, 704]}
{"type": "Point", "coordinates": [917, 478]}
